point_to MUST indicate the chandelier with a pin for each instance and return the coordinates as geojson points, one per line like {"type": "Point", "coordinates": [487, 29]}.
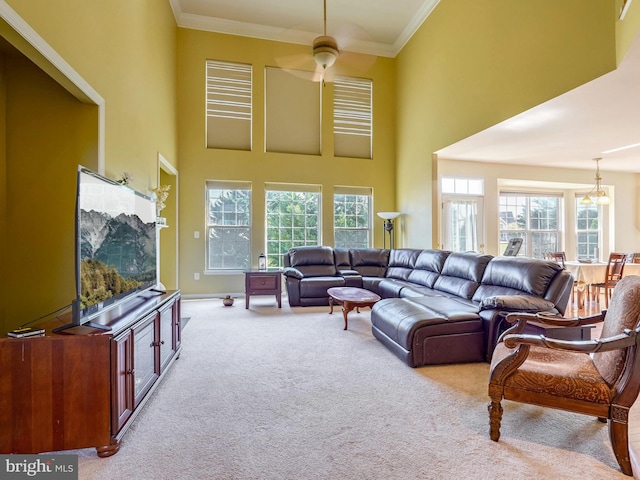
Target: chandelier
{"type": "Point", "coordinates": [597, 195]}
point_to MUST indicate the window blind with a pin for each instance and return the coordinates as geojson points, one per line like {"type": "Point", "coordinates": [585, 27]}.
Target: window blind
{"type": "Point", "coordinates": [229, 105]}
{"type": "Point", "coordinates": [352, 117]}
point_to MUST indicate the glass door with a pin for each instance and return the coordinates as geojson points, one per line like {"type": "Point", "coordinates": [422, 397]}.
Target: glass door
{"type": "Point", "coordinates": [462, 223]}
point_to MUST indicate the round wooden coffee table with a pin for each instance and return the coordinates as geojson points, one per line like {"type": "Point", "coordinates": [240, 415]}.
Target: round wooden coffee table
{"type": "Point", "coordinates": [350, 298]}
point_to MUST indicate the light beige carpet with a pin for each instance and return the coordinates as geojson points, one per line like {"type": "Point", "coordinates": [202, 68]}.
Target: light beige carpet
{"type": "Point", "coordinates": [287, 394]}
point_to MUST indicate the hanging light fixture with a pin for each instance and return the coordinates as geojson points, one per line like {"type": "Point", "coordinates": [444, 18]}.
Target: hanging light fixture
{"type": "Point", "coordinates": [325, 47]}
{"type": "Point", "coordinates": [597, 195]}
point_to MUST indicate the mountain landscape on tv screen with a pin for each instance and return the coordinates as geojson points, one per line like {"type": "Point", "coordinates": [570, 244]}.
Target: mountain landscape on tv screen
{"type": "Point", "coordinates": [117, 255]}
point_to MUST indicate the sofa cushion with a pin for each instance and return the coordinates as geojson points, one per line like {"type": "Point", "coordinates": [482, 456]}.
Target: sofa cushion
{"type": "Point", "coordinates": [313, 261]}
{"type": "Point", "coordinates": [462, 273]}
{"type": "Point", "coordinates": [399, 318]}
{"type": "Point", "coordinates": [428, 266]}
{"type": "Point", "coordinates": [370, 262]}
{"type": "Point", "coordinates": [519, 274]}
{"type": "Point", "coordinates": [341, 258]}
{"type": "Point", "coordinates": [401, 263]}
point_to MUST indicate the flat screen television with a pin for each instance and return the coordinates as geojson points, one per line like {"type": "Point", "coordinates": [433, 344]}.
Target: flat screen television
{"type": "Point", "coordinates": [116, 245]}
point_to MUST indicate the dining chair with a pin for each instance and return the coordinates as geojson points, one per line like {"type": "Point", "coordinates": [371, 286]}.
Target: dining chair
{"type": "Point", "coordinates": [613, 274]}
{"type": "Point", "coordinates": [560, 258]}
{"type": "Point", "coordinates": [599, 378]}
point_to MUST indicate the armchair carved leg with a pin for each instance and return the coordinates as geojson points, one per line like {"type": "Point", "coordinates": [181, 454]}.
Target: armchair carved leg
{"type": "Point", "coordinates": [495, 412]}
{"type": "Point", "coordinates": [619, 436]}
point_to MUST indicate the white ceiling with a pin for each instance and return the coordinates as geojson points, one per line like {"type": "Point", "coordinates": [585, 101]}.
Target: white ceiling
{"type": "Point", "coordinates": [376, 27]}
{"type": "Point", "coordinates": [567, 131]}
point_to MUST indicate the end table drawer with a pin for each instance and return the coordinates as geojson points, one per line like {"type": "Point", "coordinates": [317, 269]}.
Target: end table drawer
{"type": "Point", "coordinates": [263, 282]}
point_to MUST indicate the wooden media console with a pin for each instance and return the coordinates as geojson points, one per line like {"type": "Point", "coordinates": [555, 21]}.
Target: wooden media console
{"type": "Point", "coordinates": [83, 387]}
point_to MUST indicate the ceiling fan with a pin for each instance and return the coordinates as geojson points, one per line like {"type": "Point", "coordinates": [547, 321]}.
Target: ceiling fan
{"type": "Point", "coordinates": [326, 52]}
{"type": "Point", "coordinates": [325, 47]}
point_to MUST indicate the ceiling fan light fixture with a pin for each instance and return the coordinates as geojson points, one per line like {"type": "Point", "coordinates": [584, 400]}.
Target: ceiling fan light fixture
{"type": "Point", "coordinates": [325, 51]}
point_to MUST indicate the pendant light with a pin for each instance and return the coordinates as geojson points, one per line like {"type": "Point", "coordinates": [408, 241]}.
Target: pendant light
{"type": "Point", "coordinates": [597, 195]}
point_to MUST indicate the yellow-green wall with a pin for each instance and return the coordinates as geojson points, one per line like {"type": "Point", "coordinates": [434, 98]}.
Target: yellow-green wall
{"type": "Point", "coordinates": [48, 133]}
{"type": "Point", "coordinates": [474, 63]}
{"type": "Point", "coordinates": [126, 51]}
{"type": "Point", "coordinates": [3, 187]}
{"type": "Point", "coordinates": [198, 163]}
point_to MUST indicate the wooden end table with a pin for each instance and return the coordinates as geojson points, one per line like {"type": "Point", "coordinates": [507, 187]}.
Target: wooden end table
{"type": "Point", "coordinates": [350, 298]}
{"type": "Point", "coordinates": [263, 282]}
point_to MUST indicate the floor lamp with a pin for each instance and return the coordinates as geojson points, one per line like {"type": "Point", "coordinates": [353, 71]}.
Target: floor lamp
{"type": "Point", "coordinates": [388, 227]}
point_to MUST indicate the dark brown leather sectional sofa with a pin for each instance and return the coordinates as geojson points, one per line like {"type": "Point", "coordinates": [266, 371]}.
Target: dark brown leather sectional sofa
{"type": "Point", "coordinates": [437, 306]}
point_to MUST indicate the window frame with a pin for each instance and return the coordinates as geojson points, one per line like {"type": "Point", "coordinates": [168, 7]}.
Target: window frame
{"type": "Point", "coordinates": [209, 226]}
{"type": "Point", "coordinates": [528, 233]}
{"type": "Point", "coordinates": [275, 254]}
{"type": "Point", "coordinates": [361, 192]}
{"type": "Point", "coordinates": [597, 247]}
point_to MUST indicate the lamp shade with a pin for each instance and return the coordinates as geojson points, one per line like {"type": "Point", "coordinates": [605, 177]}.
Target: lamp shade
{"type": "Point", "coordinates": [389, 215]}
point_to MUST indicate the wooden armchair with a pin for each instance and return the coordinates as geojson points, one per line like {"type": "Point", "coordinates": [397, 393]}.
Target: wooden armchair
{"type": "Point", "coordinates": [597, 377]}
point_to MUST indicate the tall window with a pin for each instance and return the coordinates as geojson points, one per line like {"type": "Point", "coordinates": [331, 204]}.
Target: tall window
{"type": "Point", "coordinates": [587, 230]}
{"type": "Point", "coordinates": [352, 217]}
{"type": "Point", "coordinates": [352, 117]}
{"type": "Point", "coordinates": [228, 225]}
{"type": "Point", "coordinates": [533, 217]}
{"type": "Point", "coordinates": [293, 219]}
{"type": "Point", "coordinates": [228, 105]}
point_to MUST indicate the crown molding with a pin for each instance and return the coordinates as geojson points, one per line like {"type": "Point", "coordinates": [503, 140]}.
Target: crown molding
{"type": "Point", "coordinates": [263, 32]}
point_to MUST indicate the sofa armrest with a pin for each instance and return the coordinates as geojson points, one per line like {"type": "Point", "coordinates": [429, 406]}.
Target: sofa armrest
{"type": "Point", "coordinates": [292, 272]}
{"type": "Point", "coordinates": [349, 273]}
{"type": "Point", "coordinates": [352, 278]}
{"type": "Point", "coordinates": [525, 303]}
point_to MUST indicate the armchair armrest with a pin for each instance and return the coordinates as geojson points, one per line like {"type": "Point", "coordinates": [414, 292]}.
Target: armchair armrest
{"type": "Point", "coordinates": [520, 320]}
{"type": "Point", "coordinates": [555, 320]}
{"type": "Point", "coordinates": [623, 340]}
{"type": "Point", "coordinates": [292, 272]}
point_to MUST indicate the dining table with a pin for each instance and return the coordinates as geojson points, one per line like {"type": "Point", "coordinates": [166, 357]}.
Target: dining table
{"type": "Point", "coordinates": [588, 273]}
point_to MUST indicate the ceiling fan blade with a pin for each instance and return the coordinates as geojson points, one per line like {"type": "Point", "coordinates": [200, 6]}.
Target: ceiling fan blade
{"type": "Point", "coordinates": [301, 65]}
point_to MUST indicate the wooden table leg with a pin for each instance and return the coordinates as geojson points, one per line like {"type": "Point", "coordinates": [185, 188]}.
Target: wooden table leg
{"type": "Point", "coordinates": [331, 304]}
{"type": "Point", "coordinates": [346, 308]}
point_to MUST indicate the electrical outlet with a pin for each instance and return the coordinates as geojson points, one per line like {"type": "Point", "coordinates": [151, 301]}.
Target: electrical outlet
{"type": "Point", "coordinates": [196, 276]}
{"type": "Point", "coordinates": [196, 234]}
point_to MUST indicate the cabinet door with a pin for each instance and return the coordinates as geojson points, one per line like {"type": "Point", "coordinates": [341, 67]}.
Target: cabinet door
{"type": "Point", "coordinates": [166, 335]}
{"type": "Point", "coordinates": [146, 365]}
{"type": "Point", "coordinates": [122, 381]}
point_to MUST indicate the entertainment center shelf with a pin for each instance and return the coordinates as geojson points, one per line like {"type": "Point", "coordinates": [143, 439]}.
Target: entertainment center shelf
{"type": "Point", "coordinates": [83, 387]}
